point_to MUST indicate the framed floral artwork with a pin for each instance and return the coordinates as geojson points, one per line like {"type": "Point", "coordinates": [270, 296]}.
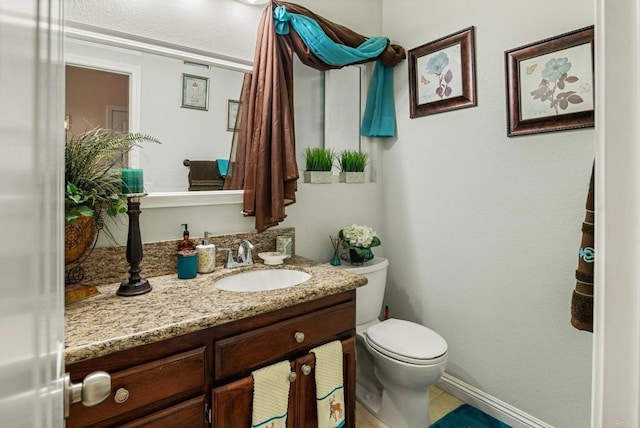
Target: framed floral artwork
{"type": "Point", "coordinates": [195, 92]}
{"type": "Point", "coordinates": [550, 84]}
{"type": "Point", "coordinates": [442, 74]}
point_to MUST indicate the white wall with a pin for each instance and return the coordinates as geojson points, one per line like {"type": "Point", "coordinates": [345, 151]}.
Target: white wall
{"type": "Point", "coordinates": [482, 231]}
{"type": "Point", "coordinates": [228, 27]}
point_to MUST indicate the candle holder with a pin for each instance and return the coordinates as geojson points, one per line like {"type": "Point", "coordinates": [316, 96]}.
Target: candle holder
{"type": "Point", "coordinates": [134, 285]}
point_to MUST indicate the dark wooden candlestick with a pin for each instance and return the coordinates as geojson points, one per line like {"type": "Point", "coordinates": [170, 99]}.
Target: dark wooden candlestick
{"type": "Point", "coordinates": [134, 285]}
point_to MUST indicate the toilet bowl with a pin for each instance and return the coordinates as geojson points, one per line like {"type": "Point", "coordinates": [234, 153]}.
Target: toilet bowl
{"type": "Point", "coordinates": [396, 360]}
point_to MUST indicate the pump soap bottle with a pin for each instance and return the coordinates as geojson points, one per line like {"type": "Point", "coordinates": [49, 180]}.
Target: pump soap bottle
{"type": "Point", "coordinates": [186, 244]}
{"type": "Point", "coordinates": [187, 257]}
{"type": "Point", "coordinates": [206, 255]}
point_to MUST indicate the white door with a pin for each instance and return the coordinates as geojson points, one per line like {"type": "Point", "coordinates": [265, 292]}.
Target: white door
{"type": "Point", "coordinates": [616, 363]}
{"type": "Point", "coordinates": [31, 266]}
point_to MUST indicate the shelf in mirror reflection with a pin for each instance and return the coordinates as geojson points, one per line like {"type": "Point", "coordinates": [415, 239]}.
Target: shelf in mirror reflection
{"type": "Point", "coordinates": [185, 199]}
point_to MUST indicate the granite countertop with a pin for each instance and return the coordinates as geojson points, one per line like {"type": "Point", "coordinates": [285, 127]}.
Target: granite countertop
{"type": "Point", "coordinates": [107, 323]}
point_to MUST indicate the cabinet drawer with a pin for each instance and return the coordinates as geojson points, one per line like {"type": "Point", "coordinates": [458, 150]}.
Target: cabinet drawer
{"type": "Point", "coordinates": [245, 352]}
{"type": "Point", "coordinates": [189, 414]}
{"type": "Point", "coordinates": [160, 382]}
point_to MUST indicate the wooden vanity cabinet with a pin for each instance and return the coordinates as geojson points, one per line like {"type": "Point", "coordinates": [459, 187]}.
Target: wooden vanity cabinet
{"type": "Point", "coordinates": [204, 378]}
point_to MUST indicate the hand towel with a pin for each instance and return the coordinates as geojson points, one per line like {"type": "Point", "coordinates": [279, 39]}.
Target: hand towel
{"type": "Point", "coordinates": [271, 396]}
{"type": "Point", "coordinates": [329, 385]}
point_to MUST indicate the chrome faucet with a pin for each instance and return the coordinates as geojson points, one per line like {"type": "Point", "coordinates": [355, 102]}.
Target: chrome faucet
{"type": "Point", "coordinates": [244, 255]}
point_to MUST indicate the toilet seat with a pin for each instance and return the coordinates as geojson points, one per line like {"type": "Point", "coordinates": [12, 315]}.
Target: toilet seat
{"type": "Point", "coordinates": [407, 342]}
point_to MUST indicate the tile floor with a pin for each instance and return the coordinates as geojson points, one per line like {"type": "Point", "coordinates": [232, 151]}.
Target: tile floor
{"type": "Point", "coordinates": [441, 404]}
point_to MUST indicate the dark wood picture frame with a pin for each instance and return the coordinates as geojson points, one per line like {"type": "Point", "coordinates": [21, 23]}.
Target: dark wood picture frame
{"type": "Point", "coordinates": [436, 86]}
{"type": "Point", "coordinates": [553, 111]}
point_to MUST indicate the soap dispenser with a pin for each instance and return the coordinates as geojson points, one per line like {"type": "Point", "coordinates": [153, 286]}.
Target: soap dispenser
{"type": "Point", "coordinates": [186, 243]}
{"type": "Point", "coordinates": [206, 255]}
{"type": "Point", "coordinates": [187, 256]}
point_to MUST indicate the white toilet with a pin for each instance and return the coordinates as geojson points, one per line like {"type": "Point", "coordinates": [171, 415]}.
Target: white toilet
{"type": "Point", "coordinates": [405, 357]}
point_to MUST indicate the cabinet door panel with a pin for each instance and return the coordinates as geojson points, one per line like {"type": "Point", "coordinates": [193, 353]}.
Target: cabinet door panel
{"type": "Point", "coordinates": [232, 404]}
{"type": "Point", "coordinates": [307, 414]}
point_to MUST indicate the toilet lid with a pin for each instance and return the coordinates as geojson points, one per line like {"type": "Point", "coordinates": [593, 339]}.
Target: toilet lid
{"type": "Point", "coordinates": [406, 341]}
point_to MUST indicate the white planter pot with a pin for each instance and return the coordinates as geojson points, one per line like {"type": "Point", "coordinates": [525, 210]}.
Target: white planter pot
{"type": "Point", "coordinates": [352, 177]}
{"type": "Point", "coordinates": [318, 177]}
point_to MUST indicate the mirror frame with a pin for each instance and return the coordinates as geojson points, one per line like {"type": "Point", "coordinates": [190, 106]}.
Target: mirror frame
{"type": "Point", "coordinates": [101, 36]}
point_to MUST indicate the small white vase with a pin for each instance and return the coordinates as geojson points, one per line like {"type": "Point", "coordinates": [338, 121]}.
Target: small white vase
{"type": "Point", "coordinates": [318, 177]}
{"type": "Point", "coordinates": [352, 177]}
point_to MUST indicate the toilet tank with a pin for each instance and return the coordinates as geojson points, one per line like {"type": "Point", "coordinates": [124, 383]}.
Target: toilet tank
{"type": "Point", "coordinates": [369, 297]}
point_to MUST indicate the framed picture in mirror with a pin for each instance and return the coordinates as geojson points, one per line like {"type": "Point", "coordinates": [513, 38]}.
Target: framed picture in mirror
{"type": "Point", "coordinates": [195, 92]}
{"type": "Point", "coordinates": [232, 114]}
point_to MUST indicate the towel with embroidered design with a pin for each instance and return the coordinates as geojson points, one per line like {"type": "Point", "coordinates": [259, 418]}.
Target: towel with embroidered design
{"type": "Point", "coordinates": [329, 385]}
{"type": "Point", "coordinates": [271, 396]}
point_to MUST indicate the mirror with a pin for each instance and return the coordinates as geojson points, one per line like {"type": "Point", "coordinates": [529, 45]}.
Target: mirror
{"type": "Point", "coordinates": [98, 84]}
{"type": "Point", "coordinates": [327, 104]}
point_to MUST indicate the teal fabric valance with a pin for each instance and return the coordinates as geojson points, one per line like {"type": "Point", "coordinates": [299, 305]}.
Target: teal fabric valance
{"type": "Point", "coordinates": [321, 45]}
{"type": "Point", "coordinates": [379, 118]}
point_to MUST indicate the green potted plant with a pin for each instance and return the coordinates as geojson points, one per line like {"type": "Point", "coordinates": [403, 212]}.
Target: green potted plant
{"type": "Point", "coordinates": [352, 163]}
{"type": "Point", "coordinates": [93, 185]}
{"type": "Point", "coordinates": [319, 162]}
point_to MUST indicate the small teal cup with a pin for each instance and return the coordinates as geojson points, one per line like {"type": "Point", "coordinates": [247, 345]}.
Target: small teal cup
{"type": "Point", "coordinates": [187, 264]}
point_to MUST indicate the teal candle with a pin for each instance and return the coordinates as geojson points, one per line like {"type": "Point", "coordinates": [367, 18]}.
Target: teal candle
{"type": "Point", "coordinates": [132, 181]}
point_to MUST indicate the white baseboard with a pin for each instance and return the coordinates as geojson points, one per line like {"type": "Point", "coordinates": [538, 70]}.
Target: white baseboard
{"type": "Point", "coordinates": [500, 410]}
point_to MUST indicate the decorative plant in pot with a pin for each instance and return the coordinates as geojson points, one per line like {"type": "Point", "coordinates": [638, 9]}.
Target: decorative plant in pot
{"type": "Point", "coordinates": [358, 241]}
{"type": "Point", "coordinates": [352, 163]}
{"type": "Point", "coordinates": [319, 162]}
{"type": "Point", "coordinates": [93, 190]}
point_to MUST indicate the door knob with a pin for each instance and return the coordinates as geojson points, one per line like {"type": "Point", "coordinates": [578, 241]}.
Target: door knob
{"type": "Point", "coordinates": [94, 389]}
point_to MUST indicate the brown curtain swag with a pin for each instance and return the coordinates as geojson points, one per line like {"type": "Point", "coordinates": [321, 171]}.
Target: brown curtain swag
{"type": "Point", "coordinates": [265, 163]}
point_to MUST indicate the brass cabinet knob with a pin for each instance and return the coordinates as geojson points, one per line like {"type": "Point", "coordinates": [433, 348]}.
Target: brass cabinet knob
{"type": "Point", "coordinates": [121, 395]}
{"type": "Point", "coordinates": [306, 369]}
{"type": "Point", "coordinates": [299, 336]}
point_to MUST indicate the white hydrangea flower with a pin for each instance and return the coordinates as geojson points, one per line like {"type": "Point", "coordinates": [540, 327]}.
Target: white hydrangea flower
{"type": "Point", "coordinates": [358, 235]}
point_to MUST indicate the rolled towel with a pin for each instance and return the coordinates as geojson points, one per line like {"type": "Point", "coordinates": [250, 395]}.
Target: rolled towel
{"type": "Point", "coordinates": [329, 385]}
{"type": "Point", "coordinates": [582, 298]}
{"type": "Point", "coordinates": [271, 396]}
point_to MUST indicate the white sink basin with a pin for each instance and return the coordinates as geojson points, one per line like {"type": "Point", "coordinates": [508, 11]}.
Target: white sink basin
{"type": "Point", "coordinates": [262, 280]}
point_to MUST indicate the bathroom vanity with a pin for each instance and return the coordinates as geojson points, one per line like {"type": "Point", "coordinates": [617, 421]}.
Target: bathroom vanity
{"type": "Point", "coordinates": [183, 354]}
